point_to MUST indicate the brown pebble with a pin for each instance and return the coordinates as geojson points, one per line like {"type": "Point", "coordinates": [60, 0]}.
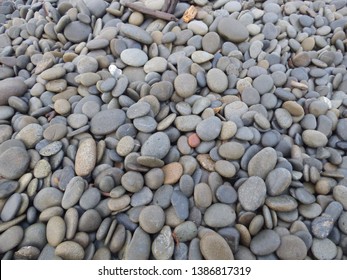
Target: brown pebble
{"type": "Point", "coordinates": [172, 173]}
{"type": "Point", "coordinates": [193, 140]}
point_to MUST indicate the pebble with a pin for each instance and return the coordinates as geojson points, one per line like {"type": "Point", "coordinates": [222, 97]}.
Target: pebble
{"type": "Point", "coordinates": [11, 87]}
{"type": "Point", "coordinates": [107, 121]}
{"type": "Point", "coordinates": [134, 57]}
{"type": "Point", "coordinates": [139, 247]}
{"type": "Point", "coordinates": [237, 34]}
{"type": "Point", "coordinates": [85, 157]}
{"type": "Point", "coordinates": [219, 215]}
{"type": "Point", "coordinates": [252, 193]}
{"type": "Point", "coordinates": [70, 250]}
{"type": "Point", "coordinates": [14, 161]}
{"type": "Point", "coordinates": [265, 242]}
{"type": "Point", "coordinates": [277, 181]}
{"type": "Point", "coordinates": [262, 163]}
{"type": "Point", "coordinates": [55, 231]}
{"type": "Point", "coordinates": [10, 238]}
{"type": "Point", "coordinates": [163, 245]}
{"type": "Point", "coordinates": [209, 129]}
{"type": "Point", "coordinates": [314, 139]}
{"type": "Point", "coordinates": [157, 145]}
{"type": "Point", "coordinates": [323, 249]}
{"type": "Point", "coordinates": [214, 247]}
{"type": "Point", "coordinates": [185, 85]}
{"type": "Point", "coordinates": [291, 248]}
{"type": "Point", "coordinates": [217, 80]}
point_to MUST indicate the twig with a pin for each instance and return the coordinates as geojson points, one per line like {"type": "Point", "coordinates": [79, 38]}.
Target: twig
{"type": "Point", "coordinates": [150, 12]}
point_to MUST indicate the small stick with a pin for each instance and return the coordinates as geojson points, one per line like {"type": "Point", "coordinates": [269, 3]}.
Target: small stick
{"type": "Point", "coordinates": [150, 12]}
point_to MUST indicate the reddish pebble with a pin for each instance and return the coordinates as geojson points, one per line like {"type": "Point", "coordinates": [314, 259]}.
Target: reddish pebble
{"type": "Point", "coordinates": [194, 140]}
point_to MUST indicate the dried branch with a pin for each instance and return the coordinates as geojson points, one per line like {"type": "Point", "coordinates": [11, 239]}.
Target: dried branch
{"type": "Point", "coordinates": [150, 12]}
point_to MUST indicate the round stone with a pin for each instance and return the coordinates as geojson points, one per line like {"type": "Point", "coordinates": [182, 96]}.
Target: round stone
{"type": "Point", "coordinates": [202, 195]}
{"type": "Point", "coordinates": [77, 32]}
{"type": "Point", "coordinates": [237, 34]}
{"type": "Point", "coordinates": [47, 197]}
{"type": "Point", "coordinates": [10, 238]}
{"type": "Point", "coordinates": [14, 161]}
{"type": "Point", "coordinates": [219, 215]}
{"type": "Point", "coordinates": [214, 247]}
{"type": "Point", "coordinates": [70, 250]}
{"type": "Point", "coordinates": [265, 242]}
{"type": "Point", "coordinates": [225, 168]}
{"type": "Point", "coordinates": [134, 57]}
{"type": "Point", "coordinates": [324, 249]}
{"type": "Point", "coordinates": [11, 87]}
{"type": "Point", "coordinates": [85, 157]}
{"type": "Point", "coordinates": [209, 129]}
{"type": "Point", "coordinates": [125, 146]}
{"type": "Point", "coordinates": [132, 181]}
{"type": "Point", "coordinates": [231, 150]}
{"type": "Point", "coordinates": [252, 193]}
{"type": "Point", "coordinates": [277, 181]}
{"type": "Point", "coordinates": [185, 85]}
{"type": "Point", "coordinates": [263, 83]}
{"type": "Point", "coordinates": [107, 121]}
{"type": "Point", "coordinates": [152, 219]}
{"type": "Point", "coordinates": [291, 248]}
{"type": "Point", "coordinates": [262, 162]}
{"type": "Point", "coordinates": [172, 173]}
{"type": "Point", "coordinates": [217, 80]}
{"type": "Point", "coordinates": [226, 194]}
{"type": "Point", "coordinates": [55, 231]}
{"type": "Point", "coordinates": [157, 145]}
{"type": "Point", "coordinates": [314, 138]}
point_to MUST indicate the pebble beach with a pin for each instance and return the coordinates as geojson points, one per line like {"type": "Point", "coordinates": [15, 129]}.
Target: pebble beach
{"type": "Point", "coordinates": [173, 130]}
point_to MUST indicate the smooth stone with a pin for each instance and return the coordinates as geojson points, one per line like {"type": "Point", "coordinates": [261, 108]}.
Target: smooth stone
{"type": "Point", "coordinates": [185, 85]}
{"type": "Point", "coordinates": [157, 145]}
{"type": "Point", "coordinates": [265, 242]}
{"type": "Point", "coordinates": [291, 248]}
{"type": "Point", "coordinates": [55, 132]}
{"type": "Point", "coordinates": [209, 129]}
{"type": "Point", "coordinates": [237, 34]}
{"type": "Point", "coordinates": [198, 27]}
{"type": "Point", "coordinates": [55, 231]}
{"type": "Point", "coordinates": [139, 247]}
{"type": "Point", "coordinates": [314, 139]}
{"type": "Point", "coordinates": [217, 80]}
{"type": "Point", "coordinates": [187, 123]}
{"type": "Point", "coordinates": [226, 194]}
{"type": "Point", "coordinates": [219, 215]}
{"type": "Point", "coordinates": [73, 192]}
{"type": "Point", "coordinates": [252, 193]}
{"type": "Point", "coordinates": [323, 249]}
{"type": "Point", "coordinates": [163, 245]}
{"type": "Point", "coordinates": [186, 231]}
{"type": "Point", "coordinates": [70, 250]}
{"type": "Point", "coordinates": [172, 173]}
{"type": "Point", "coordinates": [31, 134]}
{"type": "Point", "coordinates": [77, 32]}
{"type": "Point", "coordinates": [214, 247]}
{"type": "Point", "coordinates": [225, 168]}
{"type": "Point", "coordinates": [89, 221]}
{"type": "Point", "coordinates": [277, 181]}
{"type": "Point", "coordinates": [47, 197]}
{"type": "Point", "coordinates": [132, 181]}
{"type": "Point", "coordinates": [231, 150]}
{"type": "Point", "coordinates": [14, 162]}
{"type": "Point", "coordinates": [263, 84]}
{"type": "Point", "coordinates": [11, 207]}
{"type": "Point", "coordinates": [138, 110]}
{"type": "Point", "coordinates": [10, 238]}
{"type": "Point", "coordinates": [262, 162]}
{"type": "Point", "coordinates": [201, 57]}
{"type": "Point", "coordinates": [7, 188]}
{"type": "Point", "coordinates": [85, 157]}
{"type": "Point", "coordinates": [202, 195]}
{"type": "Point", "coordinates": [136, 33]}
{"type": "Point", "coordinates": [11, 87]}
{"type": "Point", "coordinates": [134, 57]}
{"type": "Point", "coordinates": [283, 203]}
{"type": "Point", "coordinates": [180, 204]}
{"type": "Point", "coordinates": [125, 146]}
{"type": "Point", "coordinates": [107, 121]}
{"type": "Point", "coordinates": [340, 195]}
{"type": "Point", "coordinates": [322, 226]}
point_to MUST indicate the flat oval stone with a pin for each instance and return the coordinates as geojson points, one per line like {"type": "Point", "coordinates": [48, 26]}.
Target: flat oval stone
{"type": "Point", "coordinates": [324, 249]}
{"type": "Point", "coordinates": [214, 247]}
{"type": "Point", "coordinates": [136, 33]}
{"type": "Point", "coordinates": [73, 192]}
{"type": "Point", "coordinates": [55, 231]}
{"type": "Point", "coordinates": [139, 247]}
{"type": "Point", "coordinates": [262, 163]}
{"type": "Point", "coordinates": [55, 132]}
{"type": "Point", "coordinates": [217, 80]}
{"type": "Point", "coordinates": [13, 162]}
{"type": "Point", "coordinates": [47, 197]}
{"type": "Point", "coordinates": [132, 181]}
{"type": "Point", "coordinates": [231, 150]}
{"type": "Point", "coordinates": [85, 157]}
{"type": "Point", "coordinates": [219, 215]}
{"type": "Point", "coordinates": [134, 57]}
{"type": "Point", "coordinates": [10, 238]}
{"type": "Point", "coordinates": [291, 248]}
{"type": "Point", "coordinates": [163, 245]}
{"type": "Point", "coordinates": [11, 87]}
{"type": "Point", "coordinates": [186, 231]}
{"type": "Point", "coordinates": [277, 181]}
{"type": "Point", "coordinates": [11, 207]}
{"type": "Point", "coordinates": [209, 129]}
{"type": "Point", "coordinates": [180, 204]}
{"type": "Point", "coordinates": [252, 193]}
{"type": "Point", "coordinates": [157, 145]}
{"type": "Point", "coordinates": [185, 85]}
{"type": "Point", "coordinates": [237, 34]}
{"type": "Point", "coordinates": [187, 123]}
{"type": "Point", "coordinates": [89, 221]}
{"type": "Point", "coordinates": [107, 121]}
{"type": "Point", "coordinates": [282, 203]}
{"type": "Point", "coordinates": [202, 195]}
{"type": "Point", "coordinates": [70, 250]}
{"type": "Point", "coordinates": [314, 139]}
{"type": "Point", "coordinates": [265, 242]}
{"type": "Point", "coordinates": [77, 31]}
{"type": "Point", "coordinates": [172, 173]}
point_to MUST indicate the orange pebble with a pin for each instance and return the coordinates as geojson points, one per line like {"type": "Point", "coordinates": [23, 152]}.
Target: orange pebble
{"type": "Point", "coordinates": [194, 140]}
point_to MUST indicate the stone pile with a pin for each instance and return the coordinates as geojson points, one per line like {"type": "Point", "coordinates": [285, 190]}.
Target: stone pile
{"type": "Point", "coordinates": [123, 136]}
